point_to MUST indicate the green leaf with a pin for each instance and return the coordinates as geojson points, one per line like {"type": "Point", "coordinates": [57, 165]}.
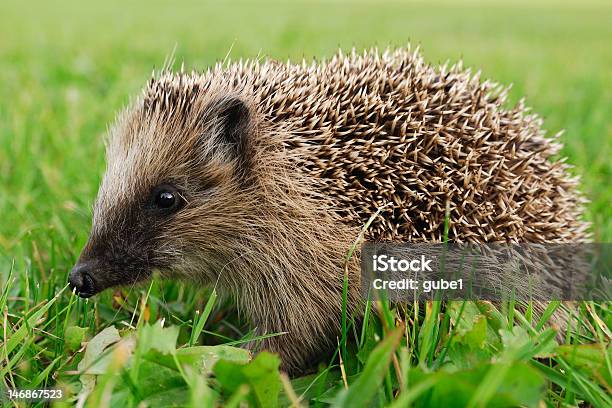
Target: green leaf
{"type": "Point", "coordinates": [476, 337]}
{"type": "Point", "coordinates": [514, 339]}
{"type": "Point", "coordinates": [495, 319]}
{"type": "Point", "coordinates": [156, 382]}
{"type": "Point", "coordinates": [74, 336]}
{"type": "Point", "coordinates": [93, 352]}
{"type": "Point", "coordinates": [156, 337]}
{"type": "Point", "coordinates": [368, 383]}
{"type": "Point", "coordinates": [472, 327]}
{"type": "Point", "coordinates": [522, 385]}
{"type": "Point", "coordinates": [97, 345]}
{"type": "Point", "coordinates": [201, 358]}
{"type": "Point", "coordinates": [462, 356]}
{"type": "Point", "coordinates": [205, 357]}
{"type": "Point", "coordinates": [158, 385]}
{"type": "Point", "coordinates": [469, 344]}
{"type": "Point", "coordinates": [261, 375]}
{"type": "Point", "coordinates": [463, 321]}
{"type": "Point", "coordinates": [590, 359]}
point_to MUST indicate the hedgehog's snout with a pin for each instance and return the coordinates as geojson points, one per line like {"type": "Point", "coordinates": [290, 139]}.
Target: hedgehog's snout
{"type": "Point", "coordinates": [81, 281]}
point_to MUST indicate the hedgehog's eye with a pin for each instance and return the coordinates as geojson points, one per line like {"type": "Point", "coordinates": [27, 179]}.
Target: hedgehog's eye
{"type": "Point", "coordinates": [167, 198]}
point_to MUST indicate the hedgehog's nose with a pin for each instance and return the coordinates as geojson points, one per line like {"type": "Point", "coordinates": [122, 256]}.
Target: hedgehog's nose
{"type": "Point", "coordinates": [80, 280]}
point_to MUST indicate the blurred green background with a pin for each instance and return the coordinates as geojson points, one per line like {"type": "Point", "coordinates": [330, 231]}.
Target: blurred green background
{"type": "Point", "coordinates": [67, 67]}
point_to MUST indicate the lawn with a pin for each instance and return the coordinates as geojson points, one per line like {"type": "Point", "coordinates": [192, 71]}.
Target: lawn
{"type": "Point", "coordinates": [66, 68]}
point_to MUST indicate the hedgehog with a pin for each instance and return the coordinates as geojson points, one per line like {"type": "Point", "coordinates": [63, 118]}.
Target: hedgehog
{"type": "Point", "coordinates": [258, 176]}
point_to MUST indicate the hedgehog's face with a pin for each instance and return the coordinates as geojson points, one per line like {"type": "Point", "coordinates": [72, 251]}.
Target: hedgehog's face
{"type": "Point", "coordinates": [174, 191]}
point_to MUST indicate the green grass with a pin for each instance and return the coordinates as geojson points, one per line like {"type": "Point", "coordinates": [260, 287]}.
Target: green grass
{"type": "Point", "coordinates": [66, 68]}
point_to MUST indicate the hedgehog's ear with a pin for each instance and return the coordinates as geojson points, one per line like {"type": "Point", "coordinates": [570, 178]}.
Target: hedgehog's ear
{"type": "Point", "coordinates": [232, 119]}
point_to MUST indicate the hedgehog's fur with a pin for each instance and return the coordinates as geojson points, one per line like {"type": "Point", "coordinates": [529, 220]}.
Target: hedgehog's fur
{"type": "Point", "coordinates": [271, 213]}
